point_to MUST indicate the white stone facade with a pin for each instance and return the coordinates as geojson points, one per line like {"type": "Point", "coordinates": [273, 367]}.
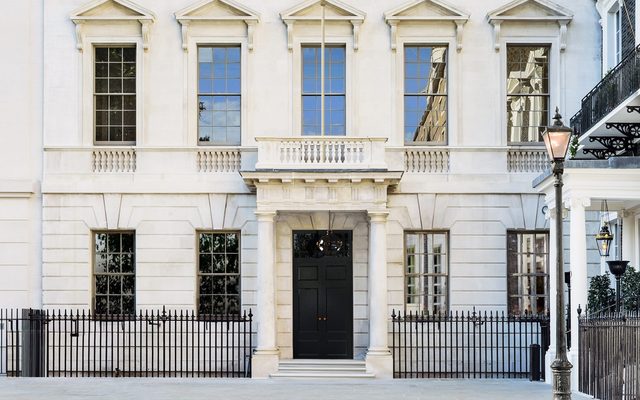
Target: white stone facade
{"type": "Point", "coordinates": [57, 187]}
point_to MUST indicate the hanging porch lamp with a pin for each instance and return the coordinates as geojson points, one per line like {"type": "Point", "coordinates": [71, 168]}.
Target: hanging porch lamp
{"type": "Point", "coordinates": [604, 237]}
{"type": "Point", "coordinates": [330, 244]}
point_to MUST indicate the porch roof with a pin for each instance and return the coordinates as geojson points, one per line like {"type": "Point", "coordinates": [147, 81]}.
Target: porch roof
{"type": "Point", "coordinates": [617, 180]}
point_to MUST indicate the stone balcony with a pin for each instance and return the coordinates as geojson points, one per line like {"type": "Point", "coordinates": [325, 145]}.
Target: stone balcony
{"type": "Point", "coordinates": [221, 168]}
{"type": "Point", "coordinates": [321, 153]}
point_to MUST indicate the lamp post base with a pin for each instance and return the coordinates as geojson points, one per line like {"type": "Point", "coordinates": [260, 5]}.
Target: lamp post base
{"type": "Point", "coordinates": [561, 370]}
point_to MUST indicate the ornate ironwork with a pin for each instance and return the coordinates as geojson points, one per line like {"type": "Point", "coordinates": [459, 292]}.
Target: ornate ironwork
{"type": "Point", "coordinates": [620, 83]}
{"type": "Point", "coordinates": [461, 344]}
{"type": "Point", "coordinates": [308, 244]}
{"type": "Point", "coordinates": [614, 143]}
{"type": "Point", "coordinates": [600, 154]}
{"type": "Point", "coordinates": [629, 129]}
{"type": "Point", "coordinates": [149, 343]}
{"type": "Point", "coordinates": [631, 109]}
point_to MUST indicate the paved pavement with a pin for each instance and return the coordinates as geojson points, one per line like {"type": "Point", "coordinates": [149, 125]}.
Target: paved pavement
{"type": "Point", "coordinates": [241, 389]}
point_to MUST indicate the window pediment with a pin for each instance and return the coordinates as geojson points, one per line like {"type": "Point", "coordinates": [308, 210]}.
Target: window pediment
{"type": "Point", "coordinates": [311, 11]}
{"type": "Point", "coordinates": [217, 11]}
{"type": "Point", "coordinates": [530, 11]}
{"type": "Point", "coordinates": [426, 11]}
{"type": "Point", "coordinates": [112, 10]}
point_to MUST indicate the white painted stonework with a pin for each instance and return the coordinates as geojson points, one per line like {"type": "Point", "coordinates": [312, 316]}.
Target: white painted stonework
{"type": "Point", "coordinates": [56, 186]}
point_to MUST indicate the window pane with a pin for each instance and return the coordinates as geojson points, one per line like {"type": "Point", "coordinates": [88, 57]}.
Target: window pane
{"type": "Point", "coordinates": [219, 76]}
{"type": "Point", "coordinates": [527, 271]}
{"type": "Point", "coordinates": [115, 73]}
{"type": "Point", "coordinates": [426, 271]}
{"type": "Point", "coordinates": [114, 273]}
{"type": "Point", "coordinates": [218, 273]}
{"type": "Point", "coordinates": [425, 88]}
{"type": "Point", "coordinates": [335, 87]}
{"type": "Point", "coordinates": [527, 92]}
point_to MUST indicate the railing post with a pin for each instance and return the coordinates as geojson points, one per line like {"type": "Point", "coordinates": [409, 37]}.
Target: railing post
{"type": "Point", "coordinates": [534, 362]}
{"type": "Point", "coordinates": [33, 349]}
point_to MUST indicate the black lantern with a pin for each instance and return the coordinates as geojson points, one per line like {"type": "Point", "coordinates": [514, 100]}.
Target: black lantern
{"type": "Point", "coordinates": [618, 268]}
{"type": "Point", "coordinates": [604, 237]}
{"type": "Point", "coordinates": [556, 138]}
{"type": "Point", "coordinates": [330, 244]}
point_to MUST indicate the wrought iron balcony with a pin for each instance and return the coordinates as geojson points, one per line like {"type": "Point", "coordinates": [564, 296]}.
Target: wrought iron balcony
{"type": "Point", "coordinates": [619, 83]}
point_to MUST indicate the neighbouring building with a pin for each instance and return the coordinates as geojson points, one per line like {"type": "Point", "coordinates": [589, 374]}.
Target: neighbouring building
{"type": "Point", "coordinates": [604, 171]}
{"type": "Point", "coordinates": [172, 154]}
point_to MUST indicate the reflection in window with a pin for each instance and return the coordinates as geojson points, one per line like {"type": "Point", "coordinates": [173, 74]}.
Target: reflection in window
{"type": "Point", "coordinates": [219, 95]}
{"type": "Point", "coordinates": [114, 273]}
{"type": "Point", "coordinates": [334, 89]}
{"type": "Point", "coordinates": [218, 273]}
{"type": "Point", "coordinates": [528, 272]}
{"type": "Point", "coordinates": [425, 94]}
{"type": "Point", "coordinates": [426, 271]}
{"type": "Point", "coordinates": [115, 95]}
{"type": "Point", "coordinates": [527, 92]}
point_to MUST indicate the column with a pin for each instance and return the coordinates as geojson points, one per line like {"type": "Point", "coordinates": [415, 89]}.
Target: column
{"type": "Point", "coordinates": [266, 356]}
{"type": "Point", "coordinates": [551, 353]}
{"type": "Point", "coordinates": [379, 360]}
{"type": "Point", "coordinates": [628, 237]}
{"type": "Point", "coordinates": [579, 281]}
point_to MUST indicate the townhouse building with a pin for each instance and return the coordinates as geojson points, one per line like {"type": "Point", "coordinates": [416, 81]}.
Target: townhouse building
{"type": "Point", "coordinates": [194, 156]}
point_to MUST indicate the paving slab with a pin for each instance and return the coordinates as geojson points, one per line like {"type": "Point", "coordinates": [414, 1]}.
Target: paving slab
{"type": "Point", "coordinates": [247, 389]}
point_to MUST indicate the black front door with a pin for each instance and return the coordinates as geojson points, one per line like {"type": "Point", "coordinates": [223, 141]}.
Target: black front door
{"type": "Point", "coordinates": [322, 295]}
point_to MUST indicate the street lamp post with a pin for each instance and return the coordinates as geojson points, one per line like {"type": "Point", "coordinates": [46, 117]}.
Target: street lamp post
{"type": "Point", "coordinates": [556, 139]}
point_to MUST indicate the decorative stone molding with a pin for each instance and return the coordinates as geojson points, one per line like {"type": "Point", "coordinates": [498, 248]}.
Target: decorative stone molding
{"type": "Point", "coordinates": [573, 202]}
{"type": "Point", "coordinates": [527, 160]}
{"type": "Point", "coordinates": [114, 160]}
{"type": "Point", "coordinates": [326, 152]}
{"type": "Point", "coordinates": [378, 216]}
{"type": "Point", "coordinates": [310, 11]}
{"type": "Point", "coordinates": [530, 11]}
{"type": "Point", "coordinates": [219, 160]}
{"type": "Point", "coordinates": [215, 11]}
{"type": "Point", "coordinates": [339, 190]}
{"type": "Point", "coordinates": [426, 160]}
{"type": "Point", "coordinates": [424, 12]}
{"type": "Point", "coordinates": [101, 11]}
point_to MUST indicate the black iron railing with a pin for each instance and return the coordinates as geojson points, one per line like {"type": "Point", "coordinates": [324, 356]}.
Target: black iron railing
{"type": "Point", "coordinates": [616, 86]}
{"type": "Point", "coordinates": [469, 345]}
{"type": "Point", "coordinates": [609, 355]}
{"type": "Point", "coordinates": [149, 344]}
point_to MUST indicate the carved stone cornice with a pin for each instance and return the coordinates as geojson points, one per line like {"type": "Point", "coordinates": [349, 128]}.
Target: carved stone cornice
{"type": "Point", "coordinates": [216, 11]}
{"type": "Point", "coordinates": [101, 11]}
{"type": "Point", "coordinates": [530, 11]}
{"type": "Point", "coordinates": [426, 12]}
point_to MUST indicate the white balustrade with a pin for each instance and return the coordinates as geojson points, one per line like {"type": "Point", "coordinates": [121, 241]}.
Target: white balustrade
{"type": "Point", "coordinates": [313, 152]}
{"type": "Point", "coordinates": [527, 160]}
{"type": "Point", "coordinates": [114, 160]}
{"type": "Point", "coordinates": [426, 160]}
{"type": "Point", "coordinates": [219, 160]}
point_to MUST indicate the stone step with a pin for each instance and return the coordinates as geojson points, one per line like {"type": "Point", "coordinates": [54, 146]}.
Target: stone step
{"type": "Point", "coordinates": [285, 368]}
{"type": "Point", "coordinates": [322, 369]}
{"type": "Point", "coordinates": [322, 375]}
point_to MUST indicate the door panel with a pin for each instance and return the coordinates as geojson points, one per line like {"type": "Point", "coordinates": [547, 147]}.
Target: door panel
{"type": "Point", "coordinates": [322, 298]}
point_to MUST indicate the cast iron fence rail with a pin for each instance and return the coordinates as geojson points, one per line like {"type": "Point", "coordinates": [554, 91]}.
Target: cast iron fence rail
{"type": "Point", "coordinates": [609, 355]}
{"type": "Point", "coordinates": [616, 86]}
{"type": "Point", "coordinates": [468, 345]}
{"type": "Point", "coordinates": [163, 343]}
